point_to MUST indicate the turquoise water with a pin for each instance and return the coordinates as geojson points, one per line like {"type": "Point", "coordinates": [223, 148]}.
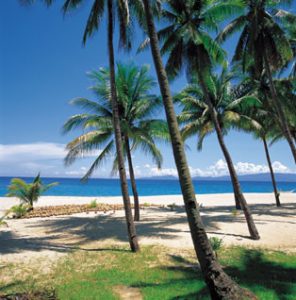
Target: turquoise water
{"type": "Point", "coordinates": [146, 187]}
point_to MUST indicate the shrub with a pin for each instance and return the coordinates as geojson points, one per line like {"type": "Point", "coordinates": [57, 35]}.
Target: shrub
{"type": "Point", "coordinates": [216, 244]}
{"type": "Point", "coordinates": [93, 204]}
{"type": "Point", "coordinates": [19, 210]}
{"type": "Point", "coordinates": [235, 212]}
{"type": "Point", "coordinates": [172, 206]}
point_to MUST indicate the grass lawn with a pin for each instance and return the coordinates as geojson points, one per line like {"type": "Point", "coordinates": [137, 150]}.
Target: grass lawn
{"type": "Point", "coordinates": [155, 273]}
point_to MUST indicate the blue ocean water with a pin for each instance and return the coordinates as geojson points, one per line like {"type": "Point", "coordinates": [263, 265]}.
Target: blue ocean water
{"type": "Point", "coordinates": [146, 187]}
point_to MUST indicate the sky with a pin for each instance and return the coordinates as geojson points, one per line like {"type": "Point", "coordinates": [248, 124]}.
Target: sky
{"type": "Point", "coordinates": [43, 65]}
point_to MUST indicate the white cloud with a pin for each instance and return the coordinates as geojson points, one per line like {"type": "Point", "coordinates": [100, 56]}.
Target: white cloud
{"type": "Point", "coordinates": [29, 159]}
{"type": "Point", "coordinates": [35, 151]}
{"type": "Point", "coordinates": [220, 169]}
{"type": "Point", "coordinates": [47, 158]}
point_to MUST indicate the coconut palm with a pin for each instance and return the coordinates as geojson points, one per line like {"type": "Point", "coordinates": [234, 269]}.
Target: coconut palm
{"type": "Point", "coordinates": [119, 9]}
{"type": "Point", "coordinates": [264, 44]}
{"type": "Point", "coordinates": [220, 285]}
{"type": "Point", "coordinates": [198, 54]}
{"type": "Point", "coordinates": [262, 125]}
{"type": "Point", "coordinates": [136, 109]}
{"type": "Point", "coordinates": [288, 21]}
{"type": "Point", "coordinates": [231, 106]}
{"type": "Point", "coordinates": [28, 193]}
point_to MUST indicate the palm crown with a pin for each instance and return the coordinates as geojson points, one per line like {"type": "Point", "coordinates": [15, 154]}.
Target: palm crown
{"type": "Point", "coordinates": [231, 104]}
{"type": "Point", "coordinates": [186, 39]}
{"type": "Point", "coordinates": [259, 30]}
{"type": "Point", "coordinates": [136, 107]}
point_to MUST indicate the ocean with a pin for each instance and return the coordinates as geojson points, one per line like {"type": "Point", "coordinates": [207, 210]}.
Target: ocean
{"type": "Point", "coordinates": [146, 187]}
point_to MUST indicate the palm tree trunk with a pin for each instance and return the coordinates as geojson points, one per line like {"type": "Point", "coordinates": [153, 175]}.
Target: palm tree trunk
{"type": "Point", "coordinates": [235, 182]}
{"type": "Point", "coordinates": [219, 283]}
{"type": "Point", "coordinates": [133, 240]}
{"type": "Point", "coordinates": [236, 199]}
{"type": "Point", "coordinates": [133, 180]}
{"type": "Point", "coordinates": [282, 118]}
{"type": "Point", "coordinates": [276, 193]}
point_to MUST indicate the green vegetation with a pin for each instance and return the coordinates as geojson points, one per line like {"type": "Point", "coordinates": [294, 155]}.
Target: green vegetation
{"type": "Point", "coordinates": [191, 40]}
{"type": "Point", "coordinates": [28, 193]}
{"type": "Point", "coordinates": [157, 274]}
{"type": "Point", "coordinates": [93, 204]}
{"type": "Point", "coordinates": [140, 129]}
{"type": "Point", "coordinates": [19, 211]}
{"type": "Point", "coordinates": [216, 243]}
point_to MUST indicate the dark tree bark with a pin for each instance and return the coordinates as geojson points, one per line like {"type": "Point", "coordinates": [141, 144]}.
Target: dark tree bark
{"type": "Point", "coordinates": [235, 182]}
{"type": "Point", "coordinates": [276, 193]}
{"type": "Point", "coordinates": [133, 180]}
{"type": "Point", "coordinates": [133, 240]}
{"type": "Point", "coordinates": [219, 283]}
{"type": "Point", "coordinates": [236, 199]}
{"type": "Point", "coordinates": [282, 118]}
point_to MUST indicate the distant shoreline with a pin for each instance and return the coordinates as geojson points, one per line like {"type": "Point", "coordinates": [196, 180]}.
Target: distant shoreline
{"type": "Point", "coordinates": [260, 177]}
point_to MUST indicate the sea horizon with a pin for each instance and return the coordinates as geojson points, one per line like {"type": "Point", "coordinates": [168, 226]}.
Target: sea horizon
{"type": "Point", "coordinates": [150, 186]}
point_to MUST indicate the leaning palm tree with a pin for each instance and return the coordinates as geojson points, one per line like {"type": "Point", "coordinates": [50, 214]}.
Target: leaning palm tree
{"type": "Point", "coordinates": [230, 105]}
{"type": "Point", "coordinates": [264, 44]}
{"type": "Point", "coordinates": [261, 123]}
{"type": "Point", "coordinates": [189, 45]}
{"type": "Point", "coordinates": [139, 129]}
{"type": "Point", "coordinates": [220, 285]}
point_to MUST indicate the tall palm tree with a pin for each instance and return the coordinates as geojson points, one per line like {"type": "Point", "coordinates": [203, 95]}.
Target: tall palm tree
{"type": "Point", "coordinates": [261, 123]}
{"type": "Point", "coordinates": [187, 34]}
{"type": "Point", "coordinates": [263, 43]}
{"type": "Point", "coordinates": [139, 129]}
{"type": "Point", "coordinates": [220, 285]}
{"type": "Point", "coordinates": [230, 105]}
{"type": "Point", "coordinates": [96, 14]}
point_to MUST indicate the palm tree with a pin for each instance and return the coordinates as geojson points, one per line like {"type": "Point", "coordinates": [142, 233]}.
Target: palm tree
{"type": "Point", "coordinates": [136, 108]}
{"type": "Point", "coordinates": [220, 285]}
{"type": "Point", "coordinates": [230, 105]}
{"type": "Point", "coordinates": [261, 123]}
{"type": "Point", "coordinates": [186, 34]}
{"type": "Point", "coordinates": [264, 44]}
{"type": "Point", "coordinates": [288, 20]}
{"type": "Point", "coordinates": [28, 192]}
{"type": "Point", "coordinates": [95, 16]}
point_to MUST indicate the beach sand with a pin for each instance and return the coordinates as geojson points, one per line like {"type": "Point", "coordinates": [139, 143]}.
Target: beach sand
{"type": "Point", "coordinates": [31, 239]}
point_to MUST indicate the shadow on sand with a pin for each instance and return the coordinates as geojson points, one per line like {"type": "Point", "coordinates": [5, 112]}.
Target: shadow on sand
{"type": "Point", "coordinates": [69, 233]}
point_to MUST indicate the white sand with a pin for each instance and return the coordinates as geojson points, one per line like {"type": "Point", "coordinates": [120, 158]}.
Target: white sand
{"type": "Point", "coordinates": [31, 238]}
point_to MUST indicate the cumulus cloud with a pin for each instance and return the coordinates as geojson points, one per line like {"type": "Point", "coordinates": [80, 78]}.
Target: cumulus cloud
{"type": "Point", "coordinates": [220, 169]}
{"type": "Point", "coordinates": [28, 159]}
{"type": "Point", "coordinates": [36, 151]}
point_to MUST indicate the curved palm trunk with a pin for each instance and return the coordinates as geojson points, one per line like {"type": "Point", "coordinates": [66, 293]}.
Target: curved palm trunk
{"type": "Point", "coordinates": [219, 283]}
{"type": "Point", "coordinates": [133, 240]}
{"type": "Point", "coordinates": [235, 182]}
{"type": "Point", "coordinates": [133, 180]}
{"type": "Point", "coordinates": [276, 193]}
{"type": "Point", "coordinates": [282, 118]}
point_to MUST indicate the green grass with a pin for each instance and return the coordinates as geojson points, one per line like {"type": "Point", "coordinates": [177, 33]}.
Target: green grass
{"type": "Point", "coordinates": [159, 274]}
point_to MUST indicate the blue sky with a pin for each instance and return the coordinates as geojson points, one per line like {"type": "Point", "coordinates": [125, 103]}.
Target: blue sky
{"type": "Point", "coordinates": [43, 65]}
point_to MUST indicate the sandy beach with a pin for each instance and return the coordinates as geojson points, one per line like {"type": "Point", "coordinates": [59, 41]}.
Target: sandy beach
{"type": "Point", "coordinates": [25, 239]}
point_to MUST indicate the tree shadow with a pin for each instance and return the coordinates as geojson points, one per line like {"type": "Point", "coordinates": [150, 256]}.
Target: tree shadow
{"type": "Point", "coordinates": [254, 272]}
{"type": "Point", "coordinates": [257, 271]}
{"type": "Point", "coordinates": [68, 233]}
{"type": "Point", "coordinates": [64, 234]}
